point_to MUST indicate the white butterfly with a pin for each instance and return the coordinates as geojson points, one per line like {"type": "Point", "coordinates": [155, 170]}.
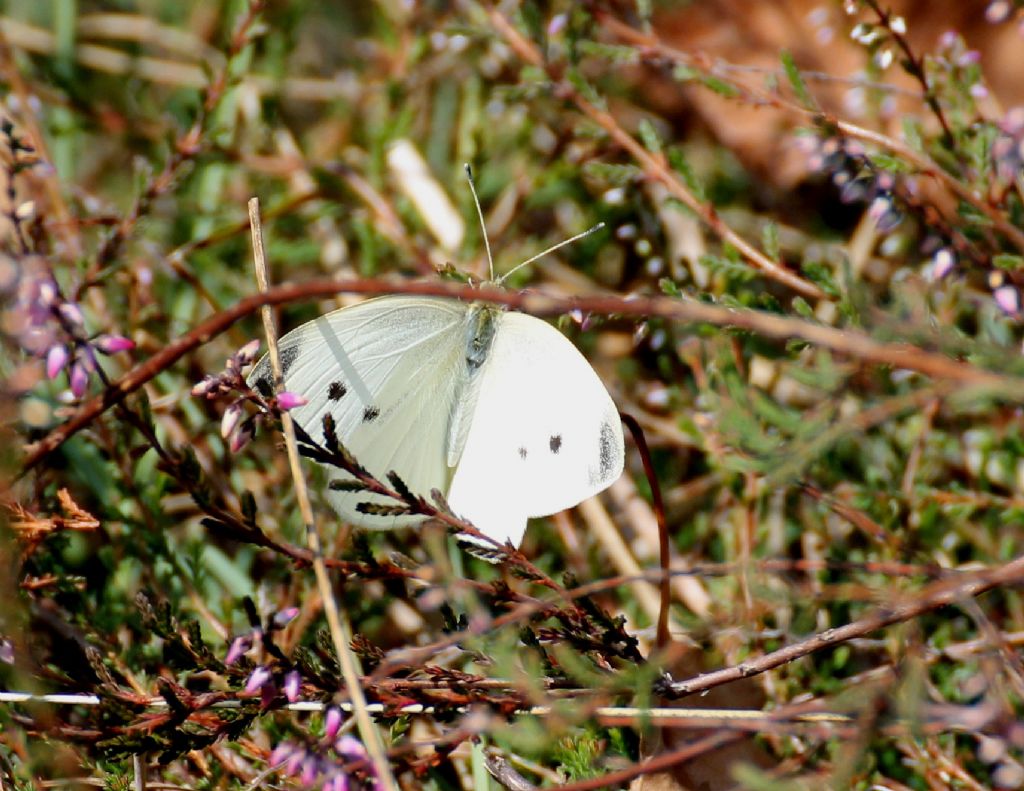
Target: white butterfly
{"type": "Point", "coordinates": [496, 409]}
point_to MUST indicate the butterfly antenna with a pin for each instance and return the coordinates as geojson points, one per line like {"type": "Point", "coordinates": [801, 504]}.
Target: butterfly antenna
{"type": "Point", "coordinates": [551, 249]}
{"type": "Point", "coordinates": [480, 214]}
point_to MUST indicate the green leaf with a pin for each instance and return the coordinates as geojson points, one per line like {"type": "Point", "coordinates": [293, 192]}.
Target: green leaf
{"type": "Point", "coordinates": [796, 82]}
{"type": "Point", "coordinates": [678, 162]}
{"type": "Point", "coordinates": [649, 136]}
{"type": "Point", "coordinates": [1007, 261]}
{"type": "Point", "coordinates": [770, 240]}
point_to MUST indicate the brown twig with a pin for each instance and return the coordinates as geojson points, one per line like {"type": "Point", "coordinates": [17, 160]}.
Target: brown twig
{"type": "Point", "coordinates": [664, 552]}
{"type": "Point", "coordinates": [939, 594]}
{"type": "Point", "coordinates": [852, 342]}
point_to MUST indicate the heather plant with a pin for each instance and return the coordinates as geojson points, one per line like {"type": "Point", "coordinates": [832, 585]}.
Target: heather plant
{"type": "Point", "coordinates": [805, 299]}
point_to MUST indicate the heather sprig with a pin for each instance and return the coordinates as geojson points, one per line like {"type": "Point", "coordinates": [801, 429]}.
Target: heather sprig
{"type": "Point", "coordinates": [229, 385]}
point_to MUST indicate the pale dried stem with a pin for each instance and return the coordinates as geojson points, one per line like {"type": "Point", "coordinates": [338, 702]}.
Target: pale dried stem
{"type": "Point", "coordinates": [340, 633]}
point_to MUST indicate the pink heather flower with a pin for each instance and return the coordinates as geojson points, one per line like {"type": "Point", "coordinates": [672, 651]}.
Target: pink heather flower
{"type": "Point", "coordinates": [247, 353]}
{"type": "Point", "coordinates": [310, 769]}
{"type": "Point", "coordinates": [998, 11]}
{"type": "Point", "coordinates": [294, 761]}
{"type": "Point", "coordinates": [350, 748]}
{"type": "Point", "coordinates": [56, 360]}
{"type": "Point", "coordinates": [242, 436]}
{"type": "Point", "coordinates": [332, 723]}
{"type": "Point", "coordinates": [1008, 299]}
{"type": "Point", "coordinates": [239, 646]}
{"type": "Point", "coordinates": [978, 91]}
{"type": "Point", "coordinates": [281, 753]}
{"type": "Point", "coordinates": [258, 679]}
{"type": "Point", "coordinates": [79, 378]}
{"type": "Point", "coordinates": [72, 314]}
{"type": "Point", "coordinates": [292, 685]}
{"type": "Point", "coordinates": [557, 24]}
{"type": "Point", "coordinates": [112, 344]}
{"type": "Point", "coordinates": [232, 415]}
{"type": "Point", "coordinates": [283, 617]}
{"type": "Point", "coordinates": [969, 58]}
{"type": "Point", "coordinates": [288, 400]}
{"type": "Point", "coordinates": [204, 387]}
{"type": "Point", "coordinates": [942, 263]}
{"type": "Point", "coordinates": [338, 782]}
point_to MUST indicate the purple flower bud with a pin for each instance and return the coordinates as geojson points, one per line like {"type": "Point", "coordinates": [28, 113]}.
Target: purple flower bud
{"type": "Point", "coordinates": [978, 91]}
{"type": "Point", "coordinates": [288, 400]}
{"type": "Point", "coordinates": [942, 263]}
{"type": "Point", "coordinates": [72, 314]}
{"type": "Point", "coordinates": [969, 58]}
{"type": "Point", "coordinates": [1008, 299]}
{"type": "Point", "coordinates": [1013, 121]}
{"type": "Point", "coordinates": [204, 387]}
{"type": "Point", "coordinates": [258, 679]}
{"type": "Point", "coordinates": [998, 11]}
{"type": "Point", "coordinates": [292, 685]}
{"type": "Point", "coordinates": [232, 415]}
{"type": "Point", "coordinates": [79, 378]}
{"type": "Point", "coordinates": [56, 359]}
{"type": "Point", "coordinates": [239, 646]}
{"type": "Point", "coordinates": [112, 344]}
{"type": "Point", "coordinates": [242, 436]}
{"type": "Point", "coordinates": [247, 353]}
{"type": "Point", "coordinates": [283, 617]}
{"type": "Point", "coordinates": [294, 761]}
{"type": "Point", "coordinates": [879, 206]}
{"type": "Point", "coordinates": [281, 753]}
{"type": "Point", "coordinates": [337, 782]}
{"type": "Point", "coordinates": [47, 293]}
{"type": "Point", "coordinates": [332, 723]}
{"type": "Point", "coordinates": [350, 748]}
{"type": "Point", "coordinates": [6, 651]}
{"type": "Point", "coordinates": [557, 24]}
{"type": "Point", "coordinates": [310, 769]}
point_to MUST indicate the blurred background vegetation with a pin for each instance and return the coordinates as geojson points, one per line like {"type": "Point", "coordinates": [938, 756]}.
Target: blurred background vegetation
{"type": "Point", "coordinates": [851, 168]}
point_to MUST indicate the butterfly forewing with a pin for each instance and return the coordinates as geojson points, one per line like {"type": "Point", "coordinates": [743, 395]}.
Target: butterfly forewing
{"type": "Point", "coordinates": [384, 370]}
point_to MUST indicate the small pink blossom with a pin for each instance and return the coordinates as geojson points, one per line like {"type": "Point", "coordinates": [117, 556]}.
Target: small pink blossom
{"type": "Point", "coordinates": [232, 415]}
{"type": "Point", "coordinates": [332, 723]}
{"type": "Point", "coordinates": [56, 360]}
{"type": "Point", "coordinates": [242, 436]}
{"type": "Point", "coordinates": [942, 263]}
{"type": "Point", "coordinates": [288, 400]}
{"type": "Point", "coordinates": [258, 679]}
{"type": "Point", "coordinates": [1008, 299]}
{"type": "Point", "coordinates": [292, 685]}
{"type": "Point", "coordinates": [283, 617]}
{"type": "Point", "coordinates": [350, 748]}
{"type": "Point", "coordinates": [112, 344]}
{"type": "Point", "coordinates": [239, 646]}
{"type": "Point", "coordinates": [79, 378]}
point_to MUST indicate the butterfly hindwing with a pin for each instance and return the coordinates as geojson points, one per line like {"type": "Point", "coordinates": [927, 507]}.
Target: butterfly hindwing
{"type": "Point", "coordinates": [544, 435]}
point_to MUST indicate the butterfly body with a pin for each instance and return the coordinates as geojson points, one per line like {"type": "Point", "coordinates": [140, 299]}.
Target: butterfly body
{"type": "Point", "coordinates": [496, 409]}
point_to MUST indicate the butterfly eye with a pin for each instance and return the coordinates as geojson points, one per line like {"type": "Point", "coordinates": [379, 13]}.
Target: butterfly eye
{"type": "Point", "coordinates": [555, 443]}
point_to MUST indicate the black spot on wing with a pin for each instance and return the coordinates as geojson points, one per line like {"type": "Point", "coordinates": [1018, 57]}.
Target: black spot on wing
{"type": "Point", "coordinates": [336, 391]}
{"type": "Point", "coordinates": [370, 414]}
{"type": "Point", "coordinates": [555, 443]}
{"type": "Point", "coordinates": [288, 357]}
{"type": "Point", "coordinates": [606, 451]}
{"type": "Point", "coordinates": [522, 453]}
